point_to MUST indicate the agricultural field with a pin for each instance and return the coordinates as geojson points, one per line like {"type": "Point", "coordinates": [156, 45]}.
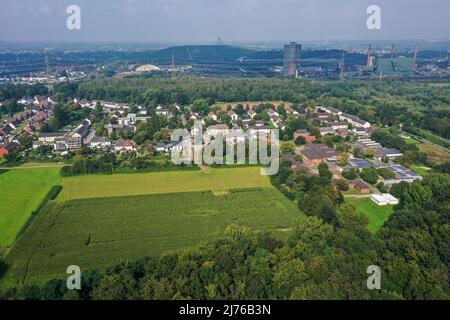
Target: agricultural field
{"type": "Point", "coordinates": [377, 215]}
{"type": "Point", "coordinates": [217, 180]}
{"type": "Point", "coordinates": [96, 233]}
{"type": "Point", "coordinates": [21, 193]}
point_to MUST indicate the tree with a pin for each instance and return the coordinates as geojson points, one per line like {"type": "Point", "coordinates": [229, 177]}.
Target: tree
{"type": "Point", "coordinates": [386, 173]}
{"type": "Point", "coordinates": [324, 172]}
{"type": "Point", "coordinates": [350, 174]}
{"type": "Point", "coordinates": [369, 175]}
{"type": "Point", "coordinates": [26, 141]}
{"type": "Point", "coordinates": [287, 147]}
{"type": "Point", "coordinates": [300, 141]}
{"type": "Point", "coordinates": [342, 185]}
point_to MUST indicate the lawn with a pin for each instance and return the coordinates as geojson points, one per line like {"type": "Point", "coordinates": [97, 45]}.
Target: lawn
{"type": "Point", "coordinates": [21, 192]}
{"type": "Point", "coordinates": [422, 170]}
{"type": "Point", "coordinates": [96, 233]}
{"type": "Point", "coordinates": [377, 215]}
{"type": "Point", "coordinates": [412, 141]}
{"type": "Point", "coordinates": [94, 186]}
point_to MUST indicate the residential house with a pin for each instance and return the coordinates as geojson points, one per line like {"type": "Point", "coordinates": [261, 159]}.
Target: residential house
{"type": "Point", "coordinates": [100, 143]}
{"type": "Point", "coordinates": [315, 154]}
{"type": "Point", "coordinates": [50, 137]}
{"type": "Point", "coordinates": [305, 134]}
{"type": "Point", "coordinates": [124, 146]}
{"type": "Point", "coordinates": [360, 131]}
{"type": "Point", "coordinates": [329, 110]}
{"type": "Point", "coordinates": [212, 116]}
{"type": "Point", "coordinates": [327, 130]}
{"type": "Point", "coordinates": [8, 148]}
{"type": "Point", "coordinates": [354, 120]}
{"type": "Point", "coordinates": [360, 186]}
{"type": "Point", "coordinates": [291, 112]}
{"type": "Point", "coordinates": [277, 122]}
{"type": "Point", "coordinates": [233, 115]}
{"type": "Point", "coordinates": [164, 112]}
{"type": "Point", "coordinates": [323, 116]}
{"type": "Point", "coordinates": [67, 143]}
{"type": "Point", "coordinates": [257, 132]}
{"type": "Point", "coordinates": [251, 114]}
{"type": "Point", "coordinates": [339, 125]}
{"type": "Point", "coordinates": [272, 113]}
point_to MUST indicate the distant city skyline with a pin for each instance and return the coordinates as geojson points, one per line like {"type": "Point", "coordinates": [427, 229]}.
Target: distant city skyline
{"type": "Point", "coordinates": [197, 21]}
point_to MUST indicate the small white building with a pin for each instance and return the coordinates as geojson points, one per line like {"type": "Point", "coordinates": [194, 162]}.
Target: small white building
{"type": "Point", "coordinates": [384, 199]}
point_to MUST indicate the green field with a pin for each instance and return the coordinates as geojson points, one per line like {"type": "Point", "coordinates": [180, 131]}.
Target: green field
{"type": "Point", "coordinates": [95, 186]}
{"type": "Point", "coordinates": [95, 233]}
{"type": "Point", "coordinates": [422, 170]}
{"type": "Point", "coordinates": [100, 220]}
{"type": "Point", "coordinates": [377, 215]}
{"type": "Point", "coordinates": [412, 141]}
{"type": "Point", "coordinates": [21, 192]}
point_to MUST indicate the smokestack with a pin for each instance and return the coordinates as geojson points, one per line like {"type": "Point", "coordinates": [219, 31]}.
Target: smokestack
{"type": "Point", "coordinates": [416, 50]}
{"type": "Point", "coordinates": [369, 56]}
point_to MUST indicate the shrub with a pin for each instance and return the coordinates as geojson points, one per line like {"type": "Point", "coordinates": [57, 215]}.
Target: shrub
{"type": "Point", "coordinates": [386, 173]}
{"type": "Point", "coordinates": [342, 185]}
{"type": "Point", "coordinates": [369, 175]}
{"type": "Point", "coordinates": [350, 174]}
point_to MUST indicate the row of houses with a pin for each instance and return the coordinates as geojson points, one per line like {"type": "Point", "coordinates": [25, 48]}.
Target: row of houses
{"type": "Point", "coordinates": [355, 121]}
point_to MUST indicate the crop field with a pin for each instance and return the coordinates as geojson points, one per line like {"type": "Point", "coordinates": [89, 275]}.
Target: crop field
{"type": "Point", "coordinates": [96, 233]}
{"type": "Point", "coordinates": [218, 180]}
{"type": "Point", "coordinates": [21, 192]}
{"type": "Point", "coordinates": [377, 215]}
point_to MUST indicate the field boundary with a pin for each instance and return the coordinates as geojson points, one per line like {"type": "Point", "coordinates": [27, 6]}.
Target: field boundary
{"type": "Point", "coordinates": [51, 195]}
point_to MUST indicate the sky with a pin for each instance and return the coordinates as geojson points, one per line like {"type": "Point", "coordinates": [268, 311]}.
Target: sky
{"type": "Point", "coordinates": [191, 21]}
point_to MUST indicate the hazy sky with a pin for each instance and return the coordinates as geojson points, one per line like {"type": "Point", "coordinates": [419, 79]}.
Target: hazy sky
{"type": "Point", "coordinates": [232, 20]}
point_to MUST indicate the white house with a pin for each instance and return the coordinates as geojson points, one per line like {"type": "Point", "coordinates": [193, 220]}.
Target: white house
{"type": "Point", "coordinates": [251, 113]}
{"type": "Point", "coordinates": [100, 143]}
{"type": "Point", "coordinates": [233, 115]}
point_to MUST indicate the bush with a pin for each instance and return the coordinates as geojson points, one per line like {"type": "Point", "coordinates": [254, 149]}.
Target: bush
{"type": "Point", "coordinates": [3, 268]}
{"type": "Point", "coordinates": [369, 175]}
{"type": "Point", "coordinates": [300, 141]}
{"type": "Point", "coordinates": [324, 172]}
{"type": "Point", "coordinates": [342, 185]}
{"type": "Point", "coordinates": [350, 174]}
{"type": "Point", "coordinates": [3, 171]}
{"type": "Point", "coordinates": [386, 173]}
